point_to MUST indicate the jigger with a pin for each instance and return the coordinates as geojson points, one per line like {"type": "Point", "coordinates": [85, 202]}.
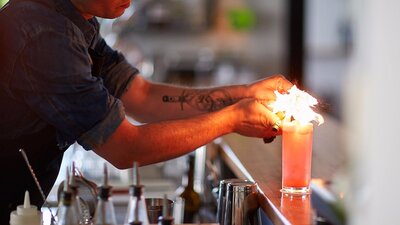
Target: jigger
{"type": "Point", "coordinates": [241, 206]}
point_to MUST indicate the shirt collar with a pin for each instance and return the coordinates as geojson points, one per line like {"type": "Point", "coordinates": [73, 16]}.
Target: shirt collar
{"type": "Point", "coordinates": [88, 28]}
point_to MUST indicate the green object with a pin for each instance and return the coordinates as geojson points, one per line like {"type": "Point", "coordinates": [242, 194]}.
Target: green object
{"type": "Point", "coordinates": [241, 18]}
{"type": "Point", "coordinates": [3, 2]}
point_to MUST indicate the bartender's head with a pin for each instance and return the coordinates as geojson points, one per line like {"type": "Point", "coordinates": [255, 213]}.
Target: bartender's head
{"type": "Point", "coordinates": [101, 8]}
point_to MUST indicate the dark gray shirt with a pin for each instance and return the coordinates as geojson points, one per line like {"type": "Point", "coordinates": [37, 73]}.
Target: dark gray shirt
{"type": "Point", "coordinates": [56, 69]}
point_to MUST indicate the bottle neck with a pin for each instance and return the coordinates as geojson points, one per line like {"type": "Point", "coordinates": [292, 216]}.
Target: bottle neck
{"type": "Point", "coordinates": [136, 191]}
{"type": "Point", "coordinates": [190, 178]}
{"type": "Point", "coordinates": [66, 198]}
{"type": "Point", "coordinates": [188, 181]}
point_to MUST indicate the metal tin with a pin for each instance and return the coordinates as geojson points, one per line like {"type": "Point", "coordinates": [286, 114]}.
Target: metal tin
{"type": "Point", "coordinates": [222, 197]}
{"type": "Point", "coordinates": [241, 206]}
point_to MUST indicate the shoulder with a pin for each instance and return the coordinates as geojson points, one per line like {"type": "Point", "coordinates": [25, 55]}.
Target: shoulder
{"type": "Point", "coordinates": [27, 23]}
{"type": "Point", "coordinates": [25, 20]}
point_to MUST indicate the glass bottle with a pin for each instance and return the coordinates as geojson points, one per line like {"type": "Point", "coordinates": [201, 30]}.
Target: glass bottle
{"type": "Point", "coordinates": [105, 213]}
{"type": "Point", "coordinates": [136, 213]}
{"type": "Point", "coordinates": [67, 214]}
{"type": "Point", "coordinates": [191, 197]}
{"type": "Point", "coordinates": [76, 201]}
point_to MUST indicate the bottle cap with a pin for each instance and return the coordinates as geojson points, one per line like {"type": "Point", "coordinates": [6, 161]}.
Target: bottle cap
{"type": "Point", "coordinates": [136, 191]}
{"type": "Point", "coordinates": [26, 214]}
{"type": "Point", "coordinates": [104, 191]}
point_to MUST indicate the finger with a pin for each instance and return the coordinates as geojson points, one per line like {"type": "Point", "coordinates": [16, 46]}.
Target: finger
{"type": "Point", "coordinates": [274, 123]}
{"type": "Point", "coordinates": [280, 116]}
{"type": "Point", "coordinates": [267, 95]}
{"type": "Point", "coordinates": [281, 84]}
{"type": "Point", "coordinates": [276, 126]}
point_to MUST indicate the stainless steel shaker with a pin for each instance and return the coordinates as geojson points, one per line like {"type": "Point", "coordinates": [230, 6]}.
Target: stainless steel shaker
{"type": "Point", "coordinates": [241, 206]}
{"type": "Point", "coordinates": [154, 208]}
{"type": "Point", "coordinates": [222, 198]}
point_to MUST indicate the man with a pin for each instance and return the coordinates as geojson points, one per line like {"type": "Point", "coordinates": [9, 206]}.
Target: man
{"type": "Point", "coordinates": [61, 83]}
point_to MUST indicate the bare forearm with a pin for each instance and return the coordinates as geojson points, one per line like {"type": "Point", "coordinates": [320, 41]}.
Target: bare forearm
{"type": "Point", "coordinates": [166, 102]}
{"type": "Point", "coordinates": [161, 141]}
{"type": "Point", "coordinates": [193, 101]}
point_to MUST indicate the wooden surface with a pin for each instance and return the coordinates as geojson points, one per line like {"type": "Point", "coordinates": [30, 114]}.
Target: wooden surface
{"type": "Point", "coordinates": [250, 158]}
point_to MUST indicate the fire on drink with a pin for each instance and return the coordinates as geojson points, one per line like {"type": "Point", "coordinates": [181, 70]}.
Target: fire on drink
{"type": "Point", "coordinates": [297, 131]}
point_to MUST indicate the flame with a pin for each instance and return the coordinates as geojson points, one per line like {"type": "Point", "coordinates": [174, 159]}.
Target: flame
{"type": "Point", "coordinates": [297, 104]}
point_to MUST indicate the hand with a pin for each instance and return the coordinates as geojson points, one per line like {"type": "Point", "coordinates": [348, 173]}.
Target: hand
{"type": "Point", "coordinates": [254, 119]}
{"type": "Point", "coordinates": [264, 89]}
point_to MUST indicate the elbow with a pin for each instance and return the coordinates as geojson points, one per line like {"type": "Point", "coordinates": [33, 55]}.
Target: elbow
{"type": "Point", "coordinates": [140, 118]}
{"type": "Point", "coordinates": [143, 117]}
{"type": "Point", "coordinates": [123, 162]}
{"type": "Point", "coordinates": [121, 165]}
{"type": "Point", "coordinates": [118, 159]}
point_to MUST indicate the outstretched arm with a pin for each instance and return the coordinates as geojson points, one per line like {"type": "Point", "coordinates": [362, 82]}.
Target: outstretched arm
{"type": "Point", "coordinates": [160, 141]}
{"type": "Point", "coordinates": [149, 102]}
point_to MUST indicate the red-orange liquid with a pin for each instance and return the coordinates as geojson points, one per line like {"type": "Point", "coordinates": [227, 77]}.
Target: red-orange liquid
{"type": "Point", "coordinates": [299, 205]}
{"type": "Point", "coordinates": [296, 155]}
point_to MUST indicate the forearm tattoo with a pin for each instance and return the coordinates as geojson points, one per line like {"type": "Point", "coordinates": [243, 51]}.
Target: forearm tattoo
{"type": "Point", "coordinates": [202, 100]}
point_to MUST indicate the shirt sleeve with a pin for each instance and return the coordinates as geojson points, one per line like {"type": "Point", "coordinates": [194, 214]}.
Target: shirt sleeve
{"type": "Point", "coordinates": [111, 66]}
{"type": "Point", "coordinates": [58, 85]}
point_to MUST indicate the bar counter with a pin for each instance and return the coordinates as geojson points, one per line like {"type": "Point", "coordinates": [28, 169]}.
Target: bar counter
{"type": "Point", "coordinates": [250, 158]}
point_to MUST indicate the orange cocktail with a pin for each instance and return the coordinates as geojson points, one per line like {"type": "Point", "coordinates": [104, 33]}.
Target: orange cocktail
{"type": "Point", "coordinates": [296, 157]}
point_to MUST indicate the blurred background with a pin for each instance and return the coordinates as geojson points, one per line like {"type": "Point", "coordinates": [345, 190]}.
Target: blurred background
{"type": "Point", "coordinates": [204, 42]}
{"type": "Point", "coordinates": [220, 42]}
{"type": "Point", "coordinates": [345, 53]}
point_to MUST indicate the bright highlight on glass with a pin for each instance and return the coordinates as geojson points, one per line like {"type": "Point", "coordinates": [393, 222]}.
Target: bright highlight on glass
{"type": "Point", "coordinates": [297, 131]}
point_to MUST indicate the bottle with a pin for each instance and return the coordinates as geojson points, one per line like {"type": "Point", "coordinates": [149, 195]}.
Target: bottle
{"type": "Point", "coordinates": [26, 214]}
{"type": "Point", "coordinates": [66, 213]}
{"type": "Point", "coordinates": [137, 212]}
{"type": "Point", "coordinates": [165, 218]}
{"type": "Point", "coordinates": [192, 201]}
{"type": "Point", "coordinates": [76, 201]}
{"type": "Point", "coordinates": [105, 214]}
